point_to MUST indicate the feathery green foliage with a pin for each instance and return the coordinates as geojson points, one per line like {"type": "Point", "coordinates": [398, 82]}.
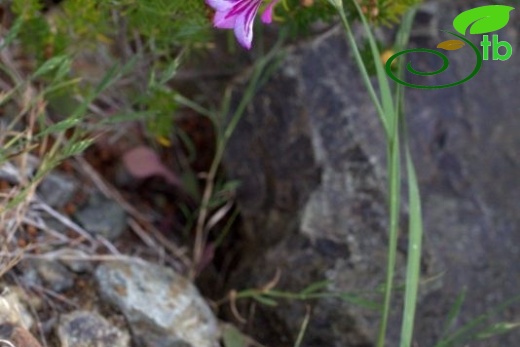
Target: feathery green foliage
{"type": "Point", "coordinates": [76, 24]}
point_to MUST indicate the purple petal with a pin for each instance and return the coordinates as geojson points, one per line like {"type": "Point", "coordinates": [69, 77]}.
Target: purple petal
{"type": "Point", "coordinates": [222, 5]}
{"type": "Point", "coordinates": [223, 21]}
{"type": "Point", "coordinates": [267, 16]}
{"type": "Point", "coordinates": [244, 23]}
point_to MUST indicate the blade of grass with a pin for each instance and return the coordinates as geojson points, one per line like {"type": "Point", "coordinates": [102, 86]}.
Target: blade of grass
{"type": "Point", "coordinates": [232, 337]}
{"type": "Point", "coordinates": [401, 41]}
{"type": "Point", "coordinates": [463, 334]}
{"type": "Point", "coordinates": [361, 65]}
{"type": "Point", "coordinates": [305, 323]}
{"type": "Point", "coordinates": [359, 301]}
{"type": "Point", "coordinates": [384, 86]}
{"type": "Point", "coordinates": [316, 287]}
{"type": "Point", "coordinates": [12, 33]}
{"type": "Point", "coordinates": [389, 120]}
{"type": "Point", "coordinates": [221, 142]}
{"type": "Point", "coordinates": [454, 312]}
{"type": "Point", "coordinates": [497, 329]}
{"type": "Point", "coordinates": [182, 100]}
{"type": "Point", "coordinates": [394, 189]}
{"type": "Point", "coordinates": [413, 267]}
{"type": "Point", "coordinates": [415, 228]}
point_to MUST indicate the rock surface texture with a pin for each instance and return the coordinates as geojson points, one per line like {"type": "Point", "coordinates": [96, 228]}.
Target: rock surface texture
{"type": "Point", "coordinates": [15, 320]}
{"type": "Point", "coordinates": [102, 217]}
{"type": "Point", "coordinates": [311, 158]}
{"type": "Point", "coordinates": [162, 308]}
{"type": "Point", "coordinates": [88, 329]}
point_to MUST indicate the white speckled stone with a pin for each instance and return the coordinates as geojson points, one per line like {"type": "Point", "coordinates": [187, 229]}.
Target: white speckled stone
{"type": "Point", "coordinates": [162, 307]}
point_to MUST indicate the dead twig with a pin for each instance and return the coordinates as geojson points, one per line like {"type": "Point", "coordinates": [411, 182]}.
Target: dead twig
{"type": "Point", "coordinates": [71, 254]}
{"type": "Point", "coordinates": [39, 204]}
{"type": "Point", "coordinates": [233, 306]}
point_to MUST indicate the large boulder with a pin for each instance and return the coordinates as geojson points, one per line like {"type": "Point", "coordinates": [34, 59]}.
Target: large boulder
{"type": "Point", "coordinates": [310, 155]}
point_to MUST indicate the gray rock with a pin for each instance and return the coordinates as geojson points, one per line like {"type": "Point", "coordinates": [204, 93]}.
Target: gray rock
{"type": "Point", "coordinates": [162, 308]}
{"type": "Point", "coordinates": [89, 329]}
{"type": "Point", "coordinates": [54, 224]}
{"type": "Point", "coordinates": [11, 170]}
{"type": "Point", "coordinates": [312, 199]}
{"type": "Point", "coordinates": [53, 274]}
{"type": "Point", "coordinates": [57, 189]}
{"type": "Point", "coordinates": [76, 261]}
{"type": "Point", "coordinates": [310, 156]}
{"type": "Point", "coordinates": [12, 310]}
{"type": "Point", "coordinates": [30, 276]}
{"type": "Point", "coordinates": [78, 266]}
{"type": "Point", "coordinates": [102, 217]}
{"type": "Point", "coordinates": [49, 274]}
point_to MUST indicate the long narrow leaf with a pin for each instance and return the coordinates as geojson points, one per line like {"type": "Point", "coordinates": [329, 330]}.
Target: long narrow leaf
{"type": "Point", "coordinates": [401, 41]}
{"type": "Point", "coordinates": [415, 228]}
{"type": "Point", "coordinates": [364, 73]}
{"type": "Point", "coordinates": [415, 232]}
{"type": "Point", "coordinates": [454, 312]}
{"type": "Point", "coordinates": [51, 64]}
{"type": "Point", "coordinates": [497, 329]}
{"type": "Point", "coordinates": [394, 184]}
{"type": "Point", "coordinates": [464, 334]}
{"type": "Point", "coordinates": [389, 120]}
{"type": "Point", "coordinates": [303, 328]}
{"type": "Point", "coordinates": [315, 287]}
{"type": "Point", "coordinates": [386, 94]}
{"type": "Point", "coordinates": [13, 33]}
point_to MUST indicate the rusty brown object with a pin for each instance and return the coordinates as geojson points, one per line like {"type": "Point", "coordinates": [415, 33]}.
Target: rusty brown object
{"type": "Point", "coordinates": [20, 337]}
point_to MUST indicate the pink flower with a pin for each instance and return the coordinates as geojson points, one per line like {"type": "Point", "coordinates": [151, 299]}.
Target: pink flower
{"type": "Point", "coordinates": [240, 15]}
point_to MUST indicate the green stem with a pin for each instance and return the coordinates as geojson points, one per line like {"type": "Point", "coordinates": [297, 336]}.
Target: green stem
{"type": "Point", "coordinates": [364, 72]}
{"type": "Point", "coordinates": [413, 267]}
{"type": "Point", "coordinates": [390, 121]}
{"type": "Point", "coordinates": [394, 185]}
{"type": "Point", "coordinates": [221, 142]}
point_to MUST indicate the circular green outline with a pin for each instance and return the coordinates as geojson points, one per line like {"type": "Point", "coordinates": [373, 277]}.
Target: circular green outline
{"type": "Point", "coordinates": [445, 64]}
{"type": "Point", "coordinates": [409, 67]}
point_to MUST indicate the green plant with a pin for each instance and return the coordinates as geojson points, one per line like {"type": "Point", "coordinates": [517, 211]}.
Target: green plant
{"type": "Point", "coordinates": [269, 296]}
{"type": "Point", "coordinates": [79, 24]}
{"type": "Point", "coordinates": [224, 130]}
{"type": "Point", "coordinates": [472, 331]}
{"type": "Point", "coordinates": [389, 109]}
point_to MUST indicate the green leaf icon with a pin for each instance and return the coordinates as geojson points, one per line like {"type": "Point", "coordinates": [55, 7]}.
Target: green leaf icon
{"type": "Point", "coordinates": [483, 19]}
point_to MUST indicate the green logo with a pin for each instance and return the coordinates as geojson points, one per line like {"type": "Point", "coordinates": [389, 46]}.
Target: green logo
{"type": "Point", "coordinates": [479, 20]}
